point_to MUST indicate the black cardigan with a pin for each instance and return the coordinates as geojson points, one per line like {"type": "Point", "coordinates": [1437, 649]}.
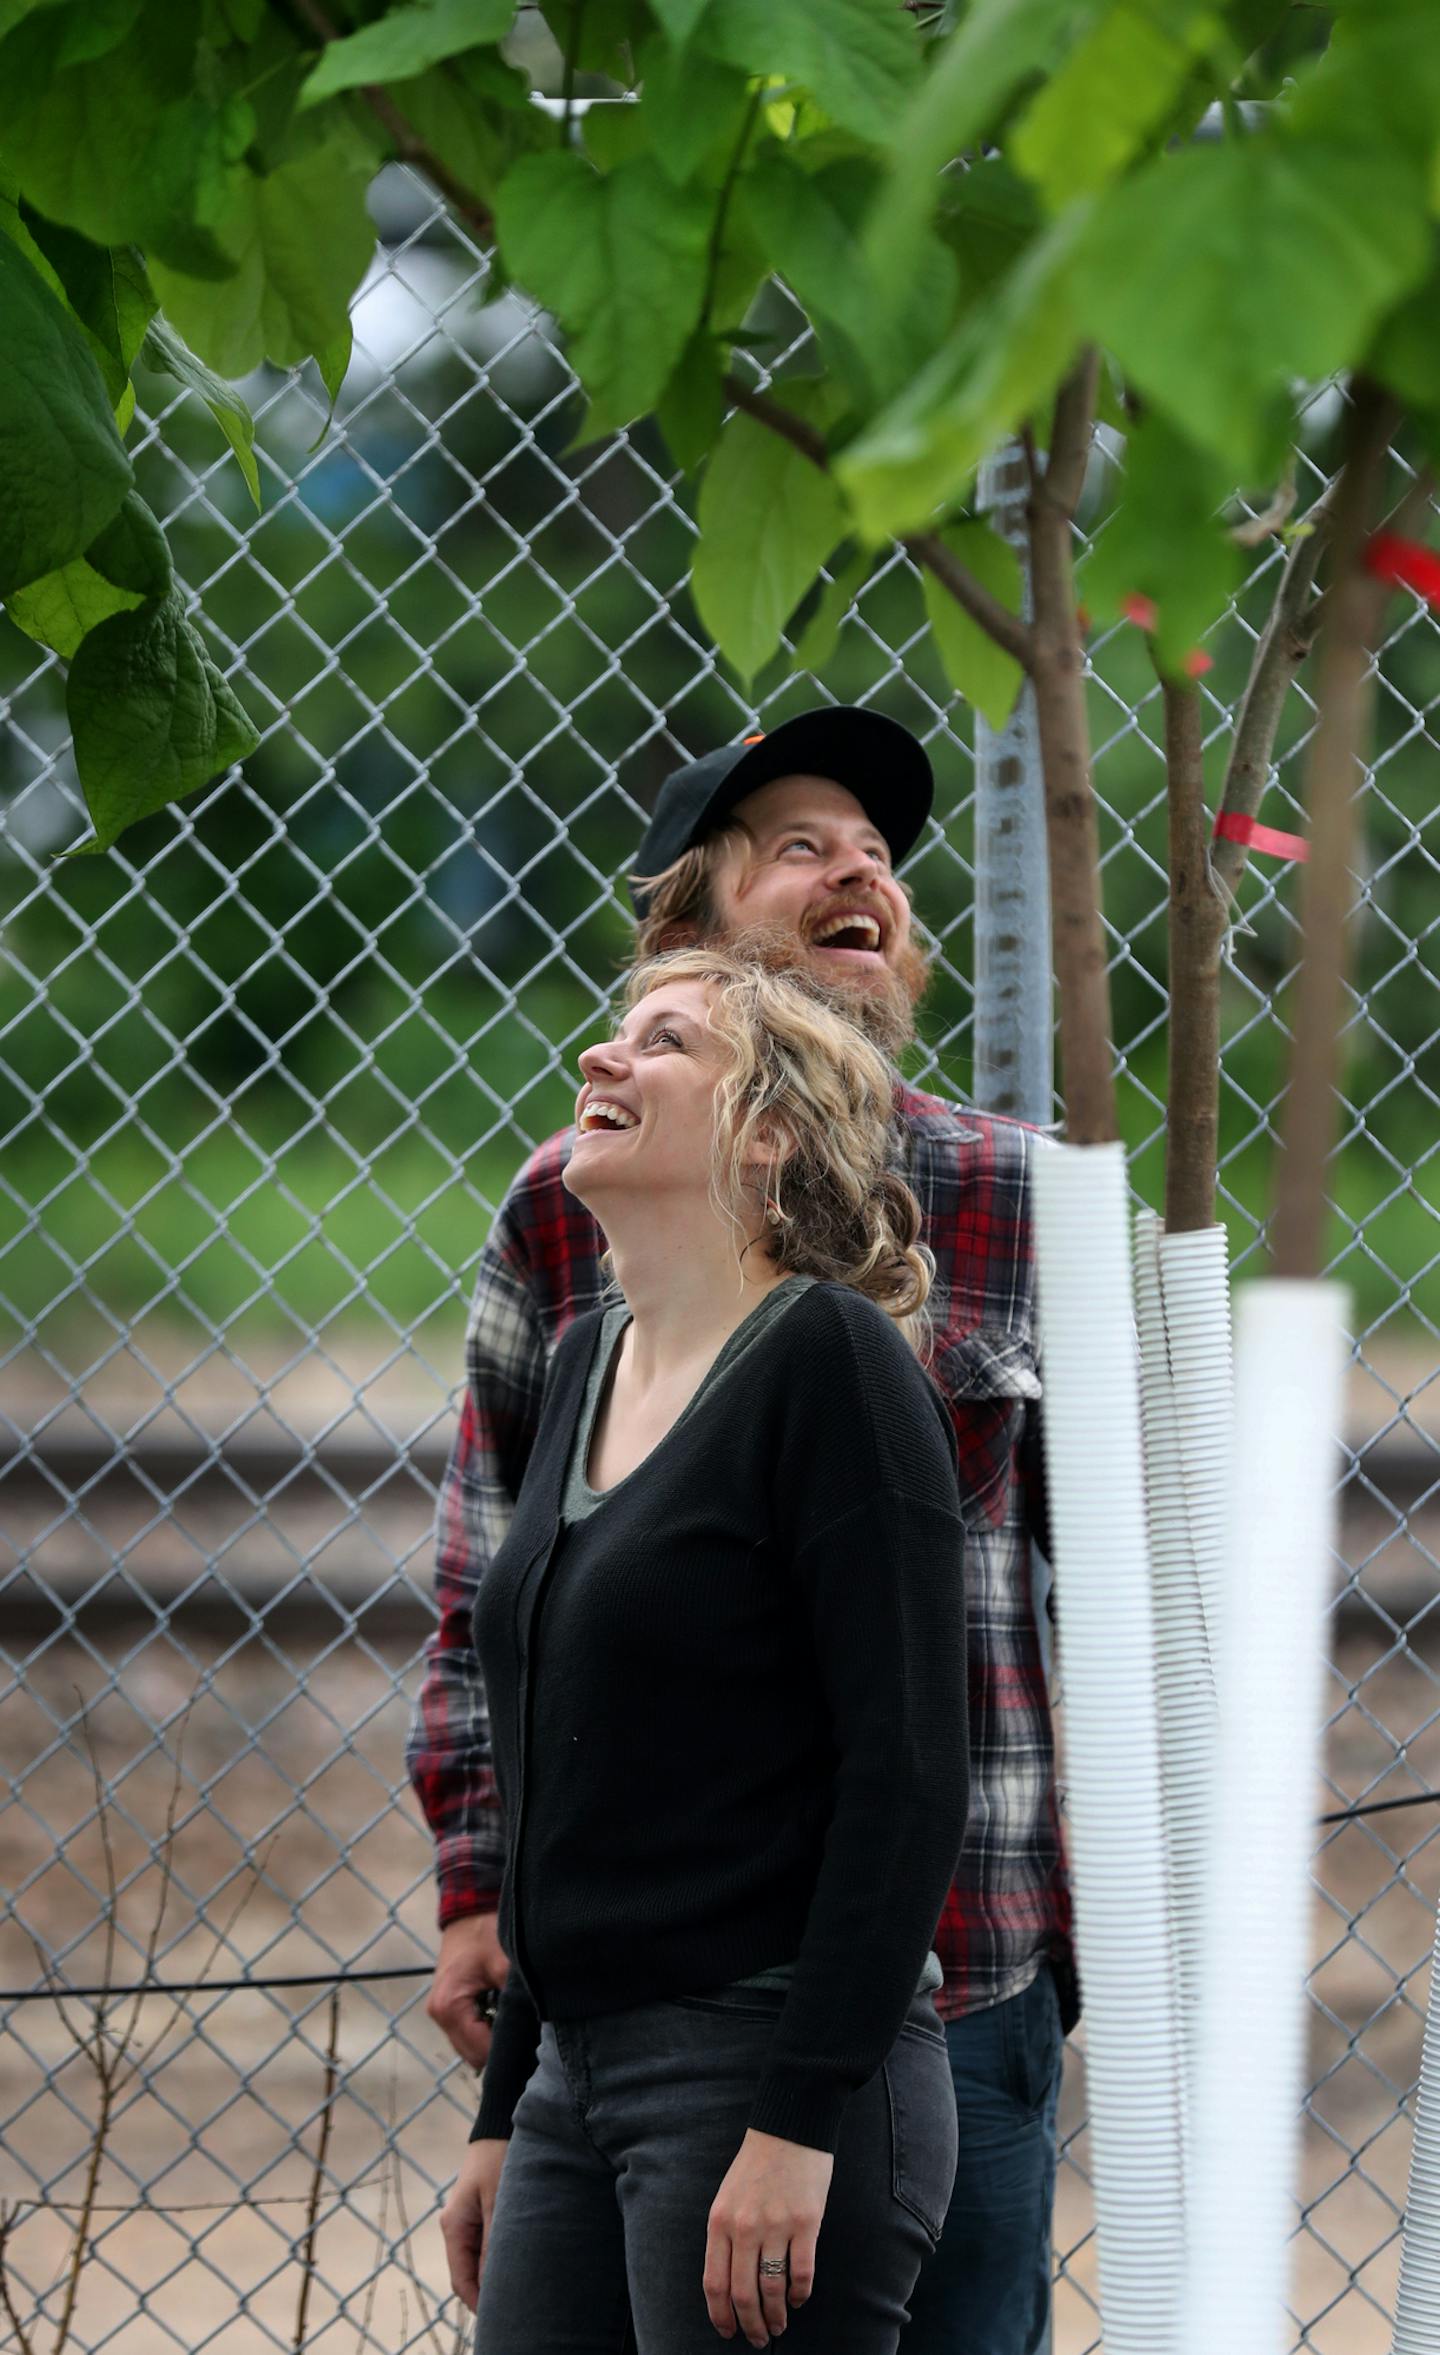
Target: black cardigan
{"type": "Point", "coordinates": [728, 1708]}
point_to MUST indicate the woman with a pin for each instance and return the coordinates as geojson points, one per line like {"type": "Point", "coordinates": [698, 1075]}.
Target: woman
{"type": "Point", "coordinates": [724, 1649]}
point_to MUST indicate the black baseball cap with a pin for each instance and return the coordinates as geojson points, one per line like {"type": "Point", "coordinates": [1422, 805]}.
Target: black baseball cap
{"type": "Point", "coordinates": [877, 760]}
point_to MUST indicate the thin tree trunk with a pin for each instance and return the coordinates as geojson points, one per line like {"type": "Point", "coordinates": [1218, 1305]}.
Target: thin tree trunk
{"type": "Point", "coordinates": [1057, 668]}
{"type": "Point", "coordinates": [1353, 603]}
{"type": "Point", "coordinates": [1197, 930]}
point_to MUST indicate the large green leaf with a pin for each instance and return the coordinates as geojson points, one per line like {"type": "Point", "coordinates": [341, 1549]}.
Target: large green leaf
{"type": "Point", "coordinates": [300, 241]}
{"type": "Point", "coordinates": [62, 462]}
{"type": "Point", "coordinates": [165, 350]}
{"type": "Point", "coordinates": [122, 146]}
{"type": "Point", "coordinates": [1000, 368]}
{"type": "Point", "coordinates": [691, 408]}
{"type": "Point", "coordinates": [471, 120]}
{"type": "Point", "coordinates": [406, 42]}
{"type": "Point", "coordinates": [679, 17]}
{"type": "Point", "coordinates": [1220, 275]}
{"type": "Point", "coordinates": [988, 215]}
{"type": "Point", "coordinates": [1167, 543]}
{"type": "Point", "coordinates": [816, 645]}
{"type": "Point", "coordinates": [999, 46]}
{"type": "Point", "coordinates": [1117, 85]}
{"type": "Point", "coordinates": [980, 670]}
{"type": "Point", "coordinates": [621, 262]}
{"type": "Point", "coordinates": [686, 115]}
{"type": "Point", "coordinates": [128, 562]}
{"type": "Point", "coordinates": [768, 519]}
{"type": "Point", "coordinates": [151, 716]}
{"type": "Point", "coordinates": [860, 61]}
{"type": "Point", "coordinates": [810, 225]}
{"type": "Point", "coordinates": [108, 290]}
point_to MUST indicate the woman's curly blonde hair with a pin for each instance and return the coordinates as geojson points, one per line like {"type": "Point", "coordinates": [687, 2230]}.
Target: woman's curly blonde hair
{"type": "Point", "coordinates": [799, 1070]}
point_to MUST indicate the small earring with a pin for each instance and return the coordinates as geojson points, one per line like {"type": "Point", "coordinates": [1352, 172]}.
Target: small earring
{"type": "Point", "coordinates": [772, 1211]}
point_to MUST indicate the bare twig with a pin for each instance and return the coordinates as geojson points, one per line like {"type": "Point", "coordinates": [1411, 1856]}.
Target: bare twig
{"type": "Point", "coordinates": [1354, 602]}
{"type": "Point", "coordinates": [403, 2241]}
{"type": "Point", "coordinates": [23, 2341]}
{"type": "Point", "coordinates": [1284, 643]}
{"type": "Point", "coordinates": [322, 2152]}
{"type": "Point", "coordinates": [1257, 529]}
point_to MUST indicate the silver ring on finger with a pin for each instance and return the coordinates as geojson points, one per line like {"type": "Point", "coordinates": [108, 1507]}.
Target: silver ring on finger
{"type": "Point", "coordinates": [774, 2268]}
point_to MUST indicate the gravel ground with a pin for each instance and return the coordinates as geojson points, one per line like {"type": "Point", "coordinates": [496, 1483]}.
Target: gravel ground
{"type": "Point", "coordinates": [219, 2131]}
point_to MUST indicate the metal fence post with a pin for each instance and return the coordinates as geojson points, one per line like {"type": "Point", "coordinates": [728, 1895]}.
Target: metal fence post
{"type": "Point", "coordinates": [1014, 1026]}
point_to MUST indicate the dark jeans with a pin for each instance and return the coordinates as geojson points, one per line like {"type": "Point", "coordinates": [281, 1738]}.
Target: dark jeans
{"type": "Point", "coordinates": [987, 2291]}
{"type": "Point", "coordinates": [622, 2139]}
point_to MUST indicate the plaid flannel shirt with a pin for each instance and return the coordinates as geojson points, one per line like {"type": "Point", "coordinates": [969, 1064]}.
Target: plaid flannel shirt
{"type": "Point", "coordinates": [1009, 1906]}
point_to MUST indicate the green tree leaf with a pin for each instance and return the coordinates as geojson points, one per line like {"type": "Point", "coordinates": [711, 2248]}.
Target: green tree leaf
{"type": "Point", "coordinates": [1118, 84]}
{"type": "Point", "coordinates": [691, 408]}
{"type": "Point", "coordinates": [1000, 368]}
{"type": "Point", "coordinates": [405, 42]}
{"type": "Point", "coordinates": [62, 462]}
{"type": "Point", "coordinates": [108, 290]}
{"type": "Point", "coordinates": [768, 519]}
{"type": "Point", "coordinates": [679, 17]}
{"type": "Point", "coordinates": [166, 351]}
{"type": "Point", "coordinates": [620, 261]}
{"type": "Point", "coordinates": [809, 224]}
{"type": "Point", "coordinates": [474, 130]}
{"type": "Point", "coordinates": [987, 217]}
{"type": "Point", "coordinates": [123, 147]}
{"type": "Point", "coordinates": [860, 62]}
{"type": "Point", "coordinates": [980, 670]}
{"type": "Point", "coordinates": [687, 114]}
{"type": "Point", "coordinates": [999, 45]}
{"type": "Point", "coordinates": [1166, 541]}
{"type": "Point", "coordinates": [300, 241]}
{"type": "Point", "coordinates": [1219, 275]}
{"type": "Point", "coordinates": [151, 716]}
{"type": "Point", "coordinates": [128, 562]}
{"type": "Point", "coordinates": [816, 646]}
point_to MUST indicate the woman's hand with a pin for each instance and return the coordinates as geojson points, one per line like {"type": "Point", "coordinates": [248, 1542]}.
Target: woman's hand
{"type": "Point", "coordinates": [465, 2217]}
{"type": "Point", "coordinates": [770, 2205]}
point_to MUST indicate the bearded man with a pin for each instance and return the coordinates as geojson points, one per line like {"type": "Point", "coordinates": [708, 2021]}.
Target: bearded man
{"type": "Point", "coordinates": [799, 833]}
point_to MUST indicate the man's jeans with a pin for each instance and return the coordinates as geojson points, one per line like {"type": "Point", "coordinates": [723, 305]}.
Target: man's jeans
{"type": "Point", "coordinates": [624, 2135]}
{"type": "Point", "coordinates": [987, 2290]}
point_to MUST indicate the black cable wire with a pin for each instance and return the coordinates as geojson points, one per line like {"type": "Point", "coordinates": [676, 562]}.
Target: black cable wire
{"type": "Point", "coordinates": [423, 1970]}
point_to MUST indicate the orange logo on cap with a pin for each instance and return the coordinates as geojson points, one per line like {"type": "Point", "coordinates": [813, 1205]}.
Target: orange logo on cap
{"type": "Point", "coordinates": [754, 739]}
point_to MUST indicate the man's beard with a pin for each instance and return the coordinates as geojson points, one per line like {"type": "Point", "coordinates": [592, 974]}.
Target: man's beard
{"type": "Point", "coordinates": [882, 1005]}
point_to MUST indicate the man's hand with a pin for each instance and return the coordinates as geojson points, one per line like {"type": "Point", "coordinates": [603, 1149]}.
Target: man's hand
{"type": "Point", "coordinates": [472, 1963]}
{"type": "Point", "coordinates": [465, 2217]}
{"type": "Point", "coordinates": [769, 2206]}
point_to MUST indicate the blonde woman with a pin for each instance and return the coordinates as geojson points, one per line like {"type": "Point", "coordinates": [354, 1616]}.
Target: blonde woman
{"type": "Point", "coordinates": [725, 1652]}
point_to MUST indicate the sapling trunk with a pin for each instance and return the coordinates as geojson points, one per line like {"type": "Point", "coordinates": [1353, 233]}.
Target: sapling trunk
{"type": "Point", "coordinates": [1197, 926]}
{"type": "Point", "coordinates": [1057, 670]}
{"type": "Point", "coordinates": [1353, 603]}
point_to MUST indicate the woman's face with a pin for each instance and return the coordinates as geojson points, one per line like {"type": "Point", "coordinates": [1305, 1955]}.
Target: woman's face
{"type": "Point", "coordinates": [645, 1117]}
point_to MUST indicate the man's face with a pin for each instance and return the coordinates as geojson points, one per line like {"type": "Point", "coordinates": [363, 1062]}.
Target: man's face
{"type": "Point", "coordinates": [810, 858]}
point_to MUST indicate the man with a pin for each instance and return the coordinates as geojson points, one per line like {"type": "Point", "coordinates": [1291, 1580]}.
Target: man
{"type": "Point", "coordinates": [802, 830]}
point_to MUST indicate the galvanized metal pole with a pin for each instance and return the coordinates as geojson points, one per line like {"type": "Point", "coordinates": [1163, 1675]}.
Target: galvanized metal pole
{"type": "Point", "coordinates": [1014, 1019]}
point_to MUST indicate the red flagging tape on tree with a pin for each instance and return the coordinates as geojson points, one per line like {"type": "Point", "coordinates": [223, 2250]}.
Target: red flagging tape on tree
{"type": "Point", "coordinates": [1405, 562]}
{"type": "Point", "coordinates": [1231, 826]}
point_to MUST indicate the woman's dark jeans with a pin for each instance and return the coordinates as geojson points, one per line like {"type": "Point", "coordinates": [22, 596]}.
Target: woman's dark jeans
{"type": "Point", "coordinates": [622, 2139]}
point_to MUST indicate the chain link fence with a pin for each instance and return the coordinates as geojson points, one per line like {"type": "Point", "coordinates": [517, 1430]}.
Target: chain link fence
{"type": "Point", "coordinates": [265, 1072]}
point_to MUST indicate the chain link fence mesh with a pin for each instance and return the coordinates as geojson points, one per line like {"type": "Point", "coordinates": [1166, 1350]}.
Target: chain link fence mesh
{"type": "Point", "coordinates": [265, 1072]}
